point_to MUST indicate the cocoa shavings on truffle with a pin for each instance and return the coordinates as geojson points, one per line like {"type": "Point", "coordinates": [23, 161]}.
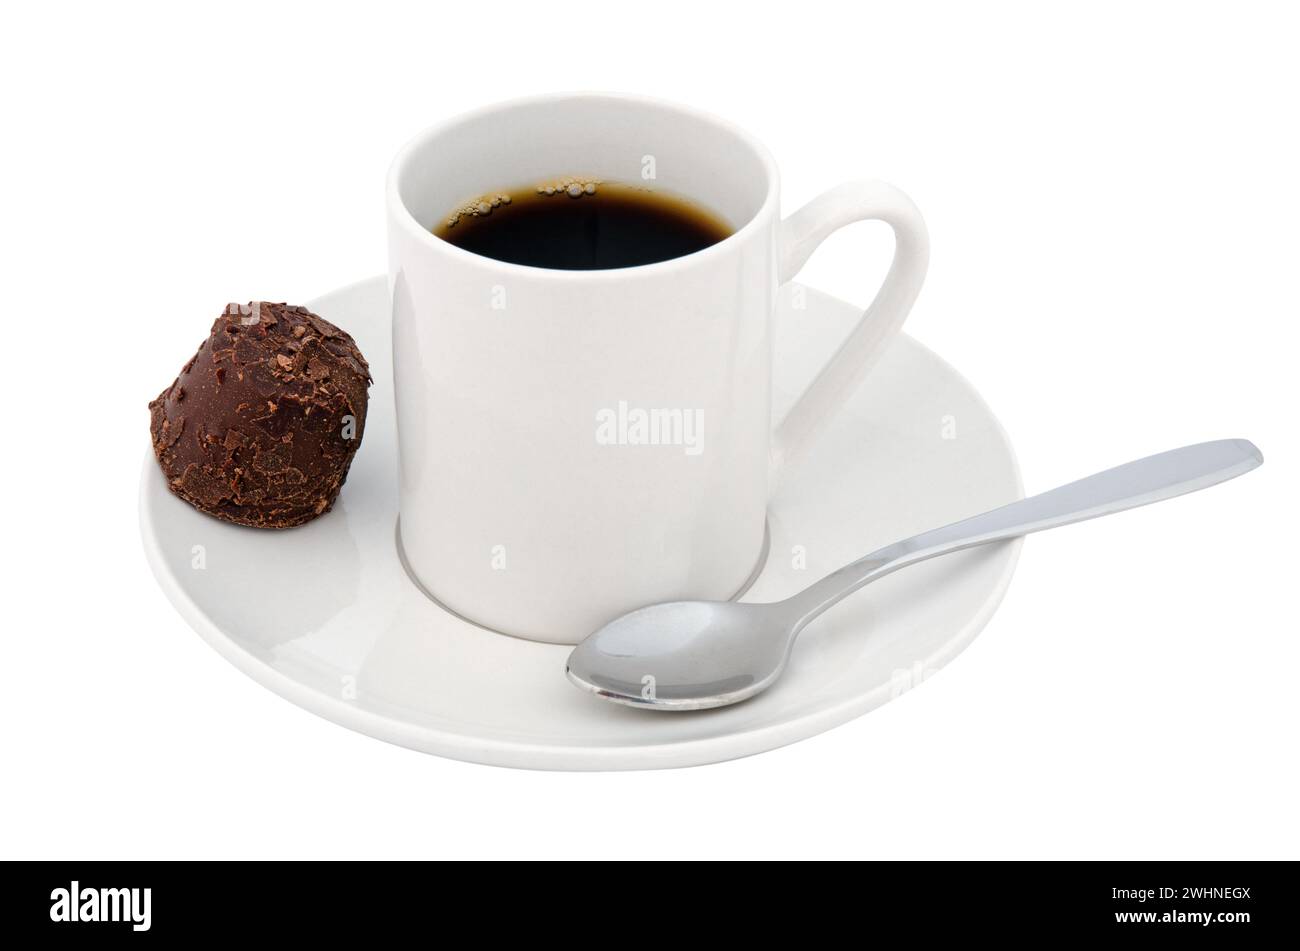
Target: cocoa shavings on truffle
{"type": "Point", "coordinates": [255, 429]}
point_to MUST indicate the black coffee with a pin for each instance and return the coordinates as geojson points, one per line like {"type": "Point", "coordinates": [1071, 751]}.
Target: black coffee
{"type": "Point", "coordinates": [577, 224]}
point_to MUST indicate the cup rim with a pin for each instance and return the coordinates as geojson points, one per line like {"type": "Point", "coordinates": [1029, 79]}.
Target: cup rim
{"type": "Point", "coordinates": [402, 216]}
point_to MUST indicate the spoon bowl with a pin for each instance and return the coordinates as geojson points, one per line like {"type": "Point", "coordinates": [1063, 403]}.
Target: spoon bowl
{"type": "Point", "coordinates": [684, 655]}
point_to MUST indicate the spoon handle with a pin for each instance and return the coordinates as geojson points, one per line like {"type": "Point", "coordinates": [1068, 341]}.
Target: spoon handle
{"type": "Point", "coordinates": [1152, 479]}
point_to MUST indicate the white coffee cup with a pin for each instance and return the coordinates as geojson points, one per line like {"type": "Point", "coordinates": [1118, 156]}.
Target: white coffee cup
{"type": "Point", "coordinates": [576, 444]}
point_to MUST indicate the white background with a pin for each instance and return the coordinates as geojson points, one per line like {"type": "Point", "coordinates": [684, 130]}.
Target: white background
{"type": "Point", "coordinates": [1113, 195]}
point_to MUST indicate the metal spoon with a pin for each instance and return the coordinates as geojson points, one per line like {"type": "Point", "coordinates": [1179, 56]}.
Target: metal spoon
{"type": "Point", "coordinates": [691, 655]}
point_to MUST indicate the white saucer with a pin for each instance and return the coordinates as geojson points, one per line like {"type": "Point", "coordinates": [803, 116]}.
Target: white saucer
{"type": "Point", "coordinates": [326, 616]}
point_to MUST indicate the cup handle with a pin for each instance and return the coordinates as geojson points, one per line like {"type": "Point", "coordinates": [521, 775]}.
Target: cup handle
{"type": "Point", "coordinates": [800, 234]}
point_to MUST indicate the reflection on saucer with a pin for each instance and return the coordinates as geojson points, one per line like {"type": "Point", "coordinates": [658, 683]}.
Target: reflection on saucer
{"type": "Point", "coordinates": [303, 577]}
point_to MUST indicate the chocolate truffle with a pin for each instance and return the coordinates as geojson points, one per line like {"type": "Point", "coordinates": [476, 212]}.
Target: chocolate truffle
{"type": "Point", "coordinates": [261, 425]}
